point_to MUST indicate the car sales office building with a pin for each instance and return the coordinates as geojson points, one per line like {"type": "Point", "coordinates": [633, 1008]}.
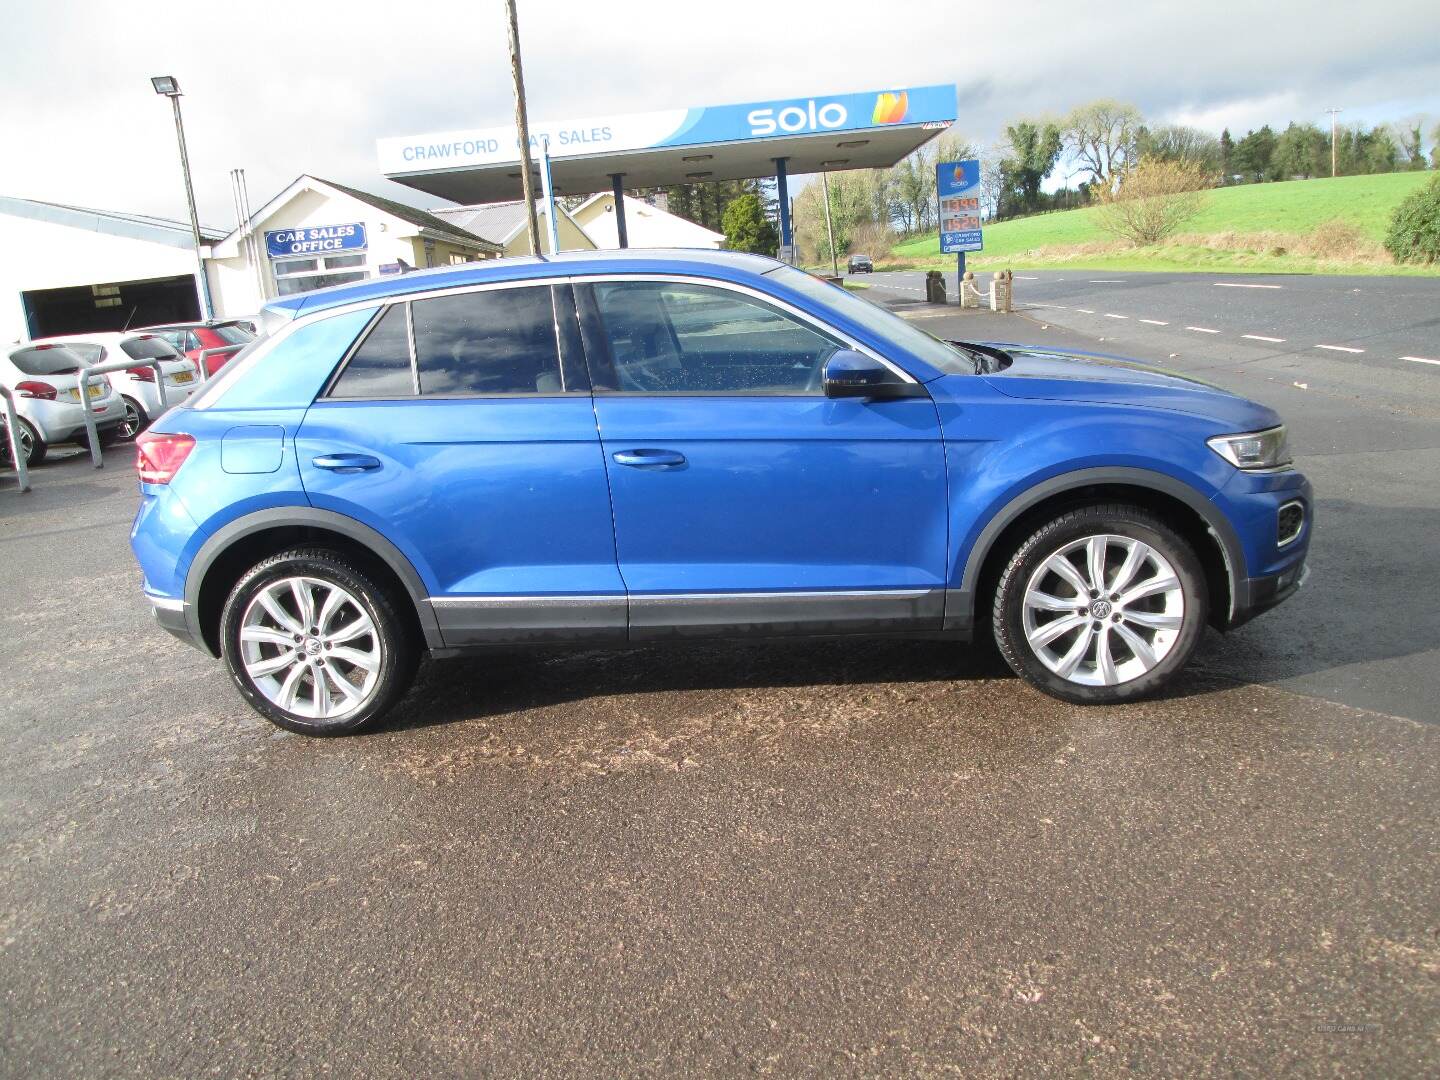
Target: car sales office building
{"type": "Point", "coordinates": [71, 269]}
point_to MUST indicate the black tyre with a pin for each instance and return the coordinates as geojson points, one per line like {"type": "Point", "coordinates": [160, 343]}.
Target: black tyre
{"type": "Point", "coordinates": [315, 644]}
{"type": "Point", "coordinates": [1102, 605]}
{"type": "Point", "coordinates": [136, 420]}
{"type": "Point", "coordinates": [32, 446]}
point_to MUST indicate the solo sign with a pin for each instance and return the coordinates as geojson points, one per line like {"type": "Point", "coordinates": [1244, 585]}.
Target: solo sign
{"type": "Point", "coordinates": [957, 186]}
{"type": "Point", "coordinates": [317, 240]}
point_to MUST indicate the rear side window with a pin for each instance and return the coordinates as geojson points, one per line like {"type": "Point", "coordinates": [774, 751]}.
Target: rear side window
{"type": "Point", "coordinates": [380, 368]}
{"type": "Point", "coordinates": [500, 341]}
{"type": "Point", "coordinates": [148, 348]}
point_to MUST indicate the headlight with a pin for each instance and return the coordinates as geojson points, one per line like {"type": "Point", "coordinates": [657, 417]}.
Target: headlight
{"type": "Point", "coordinates": [1254, 450]}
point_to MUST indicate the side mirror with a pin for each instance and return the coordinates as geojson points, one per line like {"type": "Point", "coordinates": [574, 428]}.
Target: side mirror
{"type": "Point", "coordinates": [853, 374]}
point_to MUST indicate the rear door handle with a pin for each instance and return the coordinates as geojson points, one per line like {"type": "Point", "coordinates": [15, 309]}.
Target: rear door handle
{"type": "Point", "coordinates": [346, 463]}
{"type": "Point", "coordinates": [649, 459]}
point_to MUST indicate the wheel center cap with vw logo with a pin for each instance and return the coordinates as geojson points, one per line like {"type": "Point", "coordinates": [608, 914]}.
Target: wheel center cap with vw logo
{"type": "Point", "coordinates": [312, 646]}
{"type": "Point", "coordinates": [1100, 609]}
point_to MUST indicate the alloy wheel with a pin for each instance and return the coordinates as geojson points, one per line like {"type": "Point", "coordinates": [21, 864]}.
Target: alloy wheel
{"type": "Point", "coordinates": [1103, 610]}
{"type": "Point", "coordinates": [130, 426]}
{"type": "Point", "coordinates": [311, 648]}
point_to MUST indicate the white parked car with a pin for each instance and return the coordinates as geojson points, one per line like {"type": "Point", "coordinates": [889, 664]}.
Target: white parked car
{"type": "Point", "coordinates": [137, 385]}
{"type": "Point", "coordinates": [42, 380]}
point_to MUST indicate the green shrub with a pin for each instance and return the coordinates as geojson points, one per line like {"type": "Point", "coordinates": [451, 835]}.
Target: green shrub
{"type": "Point", "coordinates": [1414, 233]}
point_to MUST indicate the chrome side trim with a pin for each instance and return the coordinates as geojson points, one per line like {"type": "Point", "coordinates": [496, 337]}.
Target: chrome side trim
{"type": "Point", "coordinates": [587, 279]}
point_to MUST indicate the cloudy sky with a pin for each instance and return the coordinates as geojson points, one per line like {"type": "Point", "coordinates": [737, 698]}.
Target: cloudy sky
{"type": "Point", "coordinates": [307, 85]}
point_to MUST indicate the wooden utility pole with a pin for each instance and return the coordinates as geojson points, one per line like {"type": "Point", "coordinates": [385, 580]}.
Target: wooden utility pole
{"type": "Point", "coordinates": [522, 128]}
{"type": "Point", "coordinates": [829, 228]}
{"type": "Point", "coordinates": [1333, 113]}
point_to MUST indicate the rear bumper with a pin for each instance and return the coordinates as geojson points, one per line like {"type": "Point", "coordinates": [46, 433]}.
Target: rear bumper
{"type": "Point", "coordinates": [173, 617]}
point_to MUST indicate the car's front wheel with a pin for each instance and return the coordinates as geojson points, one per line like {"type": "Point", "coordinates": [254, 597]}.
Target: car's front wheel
{"type": "Point", "coordinates": [1103, 604]}
{"type": "Point", "coordinates": [315, 644]}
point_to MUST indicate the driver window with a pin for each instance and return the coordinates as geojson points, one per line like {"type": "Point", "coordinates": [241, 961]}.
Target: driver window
{"type": "Point", "coordinates": [669, 337]}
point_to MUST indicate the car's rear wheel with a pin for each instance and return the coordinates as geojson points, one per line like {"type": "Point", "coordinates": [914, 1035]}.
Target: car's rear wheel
{"type": "Point", "coordinates": [1104, 604]}
{"type": "Point", "coordinates": [315, 644]}
{"type": "Point", "coordinates": [32, 447]}
{"type": "Point", "coordinates": [135, 420]}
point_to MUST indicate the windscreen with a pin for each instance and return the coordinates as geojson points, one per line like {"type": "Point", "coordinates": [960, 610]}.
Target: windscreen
{"type": "Point", "coordinates": [233, 334]}
{"type": "Point", "coordinates": [52, 360]}
{"type": "Point", "coordinates": [878, 320]}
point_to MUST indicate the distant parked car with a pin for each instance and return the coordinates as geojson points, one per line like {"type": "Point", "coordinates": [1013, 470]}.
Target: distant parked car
{"type": "Point", "coordinates": [861, 264]}
{"type": "Point", "coordinates": [137, 387]}
{"type": "Point", "coordinates": [195, 337]}
{"type": "Point", "coordinates": [42, 379]}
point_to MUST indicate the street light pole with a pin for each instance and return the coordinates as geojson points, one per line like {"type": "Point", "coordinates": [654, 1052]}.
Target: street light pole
{"type": "Point", "coordinates": [1333, 113]}
{"type": "Point", "coordinates": [167, 86]}
{"type": "Point", "coordinates": [522, 127]}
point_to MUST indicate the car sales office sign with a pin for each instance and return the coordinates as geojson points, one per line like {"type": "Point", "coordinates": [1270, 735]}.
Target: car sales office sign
{"type": "Point", "coordinates": [957, 186]}
{"type": "Point", "coordinates": [316, 240]}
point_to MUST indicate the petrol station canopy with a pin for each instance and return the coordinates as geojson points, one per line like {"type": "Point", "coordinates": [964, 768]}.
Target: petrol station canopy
{"type": "Point", "coordinates": [677, 146]}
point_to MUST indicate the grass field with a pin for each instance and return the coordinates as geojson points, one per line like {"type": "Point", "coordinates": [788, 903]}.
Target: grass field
{"type": "Point", "coordinates": [1260, 228]}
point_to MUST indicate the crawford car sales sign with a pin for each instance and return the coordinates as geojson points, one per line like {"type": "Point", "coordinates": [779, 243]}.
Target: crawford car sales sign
{"type": "Point", "coordinates": [318, 240]}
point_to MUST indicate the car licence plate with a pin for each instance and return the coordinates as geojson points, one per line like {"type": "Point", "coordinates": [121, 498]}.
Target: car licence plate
{"type": "Point", "coordinates": [182, 377]}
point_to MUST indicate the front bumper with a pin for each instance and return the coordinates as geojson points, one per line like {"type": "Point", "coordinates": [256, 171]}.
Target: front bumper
{"type": "Point", "coordinates": [1274, 570]}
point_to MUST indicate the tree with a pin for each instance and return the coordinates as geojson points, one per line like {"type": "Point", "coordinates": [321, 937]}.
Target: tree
{"type": "Point", "coordinates": [1034, 146]}
{"type": "Point", "coordinates": [1227, 157]}
{"type": "Point", "coordinates": [1153, 198]}
{"type": "Point", "coordinates": [1253, 160]}
{"type": "Point", "coordinates": [1414, 233]}
{"type": "Point", "coordinates": [1102, 136]}
{"type": "Point", "coordinates": [1301, 150]}
{"type": "Point", "coordinates": [1176, 142]}
{"type": "Point", "coordinates": [1435, 147]}
{"type": "Point", "coordinates": [748, 229]}
{"type": "Point", "coordinates": [1412, 144]}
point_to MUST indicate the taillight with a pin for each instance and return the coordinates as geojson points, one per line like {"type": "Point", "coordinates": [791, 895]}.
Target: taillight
{"type": "Point", "coordinates": [35, 390]}
{"type": "Point", "coordinates": [160, 456]}
{"type": "Point", "coordinates": [144, 374]}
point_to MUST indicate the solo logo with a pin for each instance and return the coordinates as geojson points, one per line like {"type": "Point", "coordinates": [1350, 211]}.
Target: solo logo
{"type": "Point", "coordinates": [793, 118]}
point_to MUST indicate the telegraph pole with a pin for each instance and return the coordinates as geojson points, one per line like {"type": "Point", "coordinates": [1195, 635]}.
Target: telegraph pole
{"type": "Point", "coordinates": [1333, 113]}
{"type": "Point", "coordinates": [522, 128]}
{"type": "Point", "coordinates": [829, 228]}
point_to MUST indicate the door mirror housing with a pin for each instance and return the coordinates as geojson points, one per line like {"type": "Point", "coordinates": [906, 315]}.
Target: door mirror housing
{"type": "Point", "coordinates": [853, 374]}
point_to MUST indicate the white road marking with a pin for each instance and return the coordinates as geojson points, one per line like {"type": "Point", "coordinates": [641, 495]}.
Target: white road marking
{"type": "Point", "coordinates": [1421, 360]}
{"type": "Point", "coordinates": [1084, 311]}
{"type": "Point", "coordinates": [1155, 322]}
{"type": "Point", "coordinates": [1245, 285]}
{"type": "Point", "coordinates": [1202, 329]}
{"type": "Point", "coordinates": [1110, 315]}
{"type": "Point", "coordinates": [1339, 348]}
{"type": "Point", "coordinates": [1262, 337]}
{"type": "Point", "coordinates": [1107, 281]}
{"type": "Point", "coordinates": [1022, 277]}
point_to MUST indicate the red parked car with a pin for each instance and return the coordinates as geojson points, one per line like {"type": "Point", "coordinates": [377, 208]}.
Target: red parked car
{"type": "Point", "coordinates": [194, 338]}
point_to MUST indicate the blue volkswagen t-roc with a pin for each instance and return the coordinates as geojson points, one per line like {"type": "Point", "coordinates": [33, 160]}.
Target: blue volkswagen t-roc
{"type": "Point", "coordinates": [629, 447]}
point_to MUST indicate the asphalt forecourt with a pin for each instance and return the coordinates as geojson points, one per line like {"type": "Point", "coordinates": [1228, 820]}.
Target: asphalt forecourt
{"type": "Point", "coordinates": [865, 857]}
{"type": "Point", "coordinates": [1381, 322]}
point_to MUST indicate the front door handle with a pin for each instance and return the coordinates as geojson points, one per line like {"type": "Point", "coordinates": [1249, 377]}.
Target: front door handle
{"type": "Point", "coordinates": [650, 459]}
{"type": "Point", "coordinates": [346, 463]}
